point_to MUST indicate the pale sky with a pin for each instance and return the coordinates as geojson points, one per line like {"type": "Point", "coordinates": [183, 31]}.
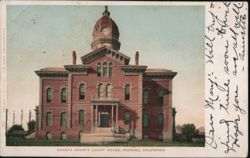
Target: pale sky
{"type": "Point", "coordinates": [170, 37]}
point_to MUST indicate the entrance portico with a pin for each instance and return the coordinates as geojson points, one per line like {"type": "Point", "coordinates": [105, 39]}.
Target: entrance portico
{"type": "Point", "coordinates": [104, 113]}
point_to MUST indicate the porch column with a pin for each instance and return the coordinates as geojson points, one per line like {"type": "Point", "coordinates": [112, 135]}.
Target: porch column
{"type": "Point", "coordinates": [91, 118]}
{"type": "Point", "coordinates": [96, 110]}
{"type": "Point", "coordinates": [112, 116]}
{"type": "Point", "coordinates": [116, 121]}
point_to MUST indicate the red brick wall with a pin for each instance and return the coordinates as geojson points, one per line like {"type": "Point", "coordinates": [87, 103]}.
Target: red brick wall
{"type": "Point", "coordinates": [56, 85]}
{"type": "Point", "coordinates": [56, 134]}
{"type": "Point", "coordinates": [86, 127]}
{"type": "Point", "coordinates": [153, 108]}
{"type": "Point", "coordinates": [117, 81]}
{"type": "Point", "coordinates": [55, 106]}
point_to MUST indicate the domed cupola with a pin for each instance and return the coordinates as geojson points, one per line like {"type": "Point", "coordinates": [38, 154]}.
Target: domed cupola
{"type": "Point", "coordinates": [105, 33]}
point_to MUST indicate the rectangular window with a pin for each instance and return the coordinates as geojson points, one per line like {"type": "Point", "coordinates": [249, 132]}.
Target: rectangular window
{"type": "Point", "coordinates": [127, 117]}
{"type": "Point", "coordinates": [63, 119]}
{"type": "Point", "coordinates": [81, 117]}
{"type": "Point", "coordinates": [145, 120]}
{"type": "Point", "coordinates": [160, 119]}
{"type": "Point", "coordinates": [49, 119]}
{"type": "Point", "coordinates": [145, 97]}
{"type": "Point", "coordinates": [127, 92]}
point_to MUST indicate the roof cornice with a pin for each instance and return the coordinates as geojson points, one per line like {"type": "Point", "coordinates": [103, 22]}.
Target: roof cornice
{"type": "Point", "coordinates": [77, 68]}
{"type": "Point", "coordinates": [133, 68]}
{"type": "Point", "coordinates": [53, 74]}
{"type": "Point", "coordinates": [159, 75]}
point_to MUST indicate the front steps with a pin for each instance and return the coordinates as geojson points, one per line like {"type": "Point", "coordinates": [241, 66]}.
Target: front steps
{"type": "Point", "coordinates": [101, 135]}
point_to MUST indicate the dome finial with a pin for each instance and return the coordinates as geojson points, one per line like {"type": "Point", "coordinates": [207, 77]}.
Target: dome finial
{"type": "Point", "coordinates": [106, 12]}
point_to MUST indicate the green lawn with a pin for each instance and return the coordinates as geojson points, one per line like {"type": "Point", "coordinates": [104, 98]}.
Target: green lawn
{"type": "Point", "coordinates": [33, 142]}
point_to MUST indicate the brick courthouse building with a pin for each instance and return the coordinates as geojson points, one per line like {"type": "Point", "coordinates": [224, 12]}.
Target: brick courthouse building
{"type": "Point", "coordinates": [104, 92]}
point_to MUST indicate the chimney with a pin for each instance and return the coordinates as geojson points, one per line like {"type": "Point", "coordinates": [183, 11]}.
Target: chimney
{"type": "Point", "coordinates": [137, 58]}
{"type": "Point", "coordinates": [74, 57]}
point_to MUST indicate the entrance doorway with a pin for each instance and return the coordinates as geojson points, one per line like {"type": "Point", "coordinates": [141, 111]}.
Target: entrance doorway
{"type": "Point", "coordinates": [104, 119]}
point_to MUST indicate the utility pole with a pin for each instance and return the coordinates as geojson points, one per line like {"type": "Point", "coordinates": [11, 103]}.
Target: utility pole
{"type": "Point", "coordinates": [173, 128]}
{"type": "Point", "coordinates": [22, 117]}
{"type": "Point", "coordinates": [13, 117]}
{"type": "Point", "coordinates": [30, 116]}
{"type": "Point", "coordinates": [6, 121]}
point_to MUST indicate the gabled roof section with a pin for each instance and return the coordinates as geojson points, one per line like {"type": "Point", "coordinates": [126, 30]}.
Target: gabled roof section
{"type": "Point", "coordinates": [120, 57]}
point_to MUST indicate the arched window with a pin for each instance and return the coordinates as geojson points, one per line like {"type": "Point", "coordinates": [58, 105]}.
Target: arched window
{"type": "Point", "coordinates": [63, 119]}
{"type": "Point", "coordinates": [105, 69]}
{"type": "Point", "coordinates": [63, 136]}
{"type": "Point", "coordinates": [81, 117]}
{"type": "Point", "coordinates": [145, 120]}
{"type": "Point", "coordinates": [99, 69]}
{"type": "Point", "coordinates": [48, 136]}
{"type": "Point", "coordinates": [48, 119]}
{"type": "Point", "coordinates": [145, 97]}
{"type": "Point", "coordinates": [127, 92]}
{"type": "Point", "coordinates": [49, 95]}
{"type": "Point", "coordinates": [82, 91]}
{"type": "Point", "coordinates": [110, 69]}
{"type": "Point", "coordinates": [80, 134]}
{"type": "Point", "coordinates": [108, 91]}
{"type": "Point", "coordinates": [161, 95]}
{"type": "Point", "coordinates": [63, 95]}
{"type": "Point", "coordinates": [127, 117]}
{"type": "Point", "coordinates": [160, 119]}
{"type": "Point", "coordinates": [100, 90]}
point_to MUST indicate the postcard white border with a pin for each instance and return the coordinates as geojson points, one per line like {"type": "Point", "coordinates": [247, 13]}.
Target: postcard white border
{"type": "Point", "coordinates": [52, 151]}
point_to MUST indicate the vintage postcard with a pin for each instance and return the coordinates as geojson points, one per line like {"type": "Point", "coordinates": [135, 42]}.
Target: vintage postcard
{"type": "Point", "coordinates": [127, 79]}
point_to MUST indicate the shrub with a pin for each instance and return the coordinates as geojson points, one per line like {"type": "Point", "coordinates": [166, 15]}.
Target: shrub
{"type": "Point", "coordinates": [189, 131]}
{"type": "Point", "coordinates": [31, 126]}
{"type": "Point", "coordinates": [180, 138]}
{"type": "Point", "coordinates": [16, 131]}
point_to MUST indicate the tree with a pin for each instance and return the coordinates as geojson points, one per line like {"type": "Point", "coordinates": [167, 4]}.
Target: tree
{"type": "Point", "coordinates": [189, 131]}
{"type": "Point", "coordinates": [31, 126]}
{"type": "Point", "coordinates": [16, 131]}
